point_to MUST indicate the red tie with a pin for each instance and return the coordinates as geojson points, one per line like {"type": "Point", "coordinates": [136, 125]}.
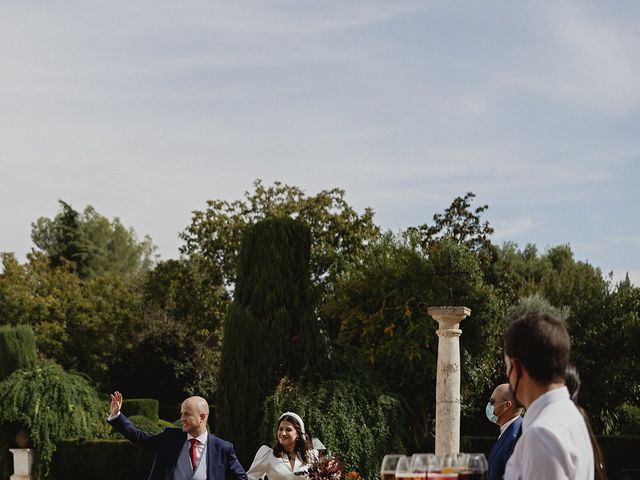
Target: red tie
{"type": "Point", "coordinates": [192, 451]}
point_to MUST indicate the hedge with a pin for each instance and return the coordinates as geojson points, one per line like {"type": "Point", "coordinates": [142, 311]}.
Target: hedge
{"type": "Point", "coordinates": [17, 349]}
{"type": "Point", "coordinates": [109, 459]}
{"type": "Point", "coordinates": [145, 407]}
{"type": "Point", "coordinates": [101, 460]}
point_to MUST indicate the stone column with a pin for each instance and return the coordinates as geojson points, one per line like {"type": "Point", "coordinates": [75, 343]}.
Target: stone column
{"type": "Point", "coordinates": [22, 464]}
{"type": "Point", "coordinates": [448, 377]}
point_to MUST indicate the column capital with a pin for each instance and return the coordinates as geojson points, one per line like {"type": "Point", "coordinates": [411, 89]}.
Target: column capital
{"type": "Point", "coordinates": [449, 317]}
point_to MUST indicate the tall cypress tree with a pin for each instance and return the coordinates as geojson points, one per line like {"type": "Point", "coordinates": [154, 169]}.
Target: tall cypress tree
{"type": "Point", "coordinates": [270, 331]}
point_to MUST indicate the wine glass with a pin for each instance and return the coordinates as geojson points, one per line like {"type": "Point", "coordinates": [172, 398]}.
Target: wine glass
{"type": "Point", "coordinates": [388, 468]}
{"type": "Point", "coordinates": [403, 468]}
{"type": "Point", "coordinates": [476, 468]}
{"type": "Point", "coordinates": [421, 463]}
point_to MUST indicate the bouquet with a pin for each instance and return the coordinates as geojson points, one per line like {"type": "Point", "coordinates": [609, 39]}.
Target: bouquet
{"type": "Point", "coordinates": [329, 468]}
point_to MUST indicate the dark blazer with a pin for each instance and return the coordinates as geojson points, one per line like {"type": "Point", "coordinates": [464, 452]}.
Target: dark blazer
{"type": "Point", "coordinates": [503, 449]}
{"type": "Point", "coordinates": [221, 457]}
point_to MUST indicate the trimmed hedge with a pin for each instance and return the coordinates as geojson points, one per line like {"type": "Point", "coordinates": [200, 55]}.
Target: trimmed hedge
{"type": "Point", "coordinates": [109, 459]}
{"type": "Point", "coordinates": [6, 459]}
{"type": "Point", "coordinates": [101, 460]}
{"type": "Point", "coordinates": [145, 407]}
{"type": "Point", "coordinates": [17, 349]}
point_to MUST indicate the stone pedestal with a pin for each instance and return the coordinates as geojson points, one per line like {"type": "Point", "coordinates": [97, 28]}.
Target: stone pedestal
{"type": "Point", "coordinates": [22, 464]}
{"type": "Point", "coordinates": [448, 377]}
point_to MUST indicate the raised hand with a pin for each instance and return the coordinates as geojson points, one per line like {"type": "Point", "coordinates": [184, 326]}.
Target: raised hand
{"type": "Point", "coordinates": [116, 402]}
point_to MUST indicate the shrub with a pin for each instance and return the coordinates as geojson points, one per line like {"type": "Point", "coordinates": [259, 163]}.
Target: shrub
{"type": "Point", "coordinates": [52, 405]}
{"type": "Point", "coordinates": [101, 460]}
{"type": "Point", "coordinates": [628, 419]}
{"type": "Point", "coordinates": [17, 349]}
{"type": "Point", "coordinates": [145, 407]}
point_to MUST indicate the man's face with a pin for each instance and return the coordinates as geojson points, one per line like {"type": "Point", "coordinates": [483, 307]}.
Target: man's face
{"type": "Point", "coordinates": [499, 400]}
{"type": "Point", "coordinates": [192, 419]}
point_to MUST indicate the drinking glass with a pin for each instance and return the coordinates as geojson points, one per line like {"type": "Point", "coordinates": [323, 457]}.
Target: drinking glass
{"type": "Point", "coordinates": [388, 468]}
{"type": "Point", "coordinates": [442, 468]}
{"type": "Point", "coordinates": [421, 463]}
{"type": "Point", "coordinates": [403, 469]}
{"type": "Point", "coordinates": [476, 468]}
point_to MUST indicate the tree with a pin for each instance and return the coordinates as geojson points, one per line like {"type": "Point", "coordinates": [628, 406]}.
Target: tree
{"type": "Point", "coordinates": [169, 361]}
{"type": "Point", "coordinates": [53, 405]}
{"type": "Point", "coordinates": [190, 291]}
{"type": "Point", "coordinates": [270, 331]}
{"type": "Point", "coordinates": [78, 323]}
{"type": "Point", "coordinates": [91, 242]}
{"type": "Point", "coordinates": [460, 224]}
{"type": "Point", "coordinates": [339, 233]}
{"type": "Point", "coordinates": [602, 321]}
{"type": "Point", "coordinates": [379, 310]}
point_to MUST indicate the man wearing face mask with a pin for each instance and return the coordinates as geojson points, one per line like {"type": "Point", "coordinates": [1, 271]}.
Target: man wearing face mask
{"type": "Point", "coordinates": [502, 411]}
{"type": "Point", "coordinates": [555, 442]}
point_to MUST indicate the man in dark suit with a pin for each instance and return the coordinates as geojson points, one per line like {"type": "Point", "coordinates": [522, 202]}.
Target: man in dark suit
{"type": "Point", "coordinates": [187, 453]}
{"type": "Point", "coordinates": [502, 411]}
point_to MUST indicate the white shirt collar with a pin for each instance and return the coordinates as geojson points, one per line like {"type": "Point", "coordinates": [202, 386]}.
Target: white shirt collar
{"type": "Point", "coordinates": [506, 425]}
{"type": "Point", "coordinates": [202, 438]}
{"type": "Point", "coordinates": [543, 401]}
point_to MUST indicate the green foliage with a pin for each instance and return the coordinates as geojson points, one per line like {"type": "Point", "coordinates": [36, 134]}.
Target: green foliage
{"type": "Point", "coordinates": [270, 331]}
{"type": "Point", "coordinates": [17, 349]}
{"type": "Point", "coordinates": [339, 233]}
{"type": "Point", "coordinates": [189, 290]}
{"type": "Point", "coordinates": [165, 361]}
{"type": "Point", "coordinates": [459, 224]}
{"type": "Point", "coordinates": [101, 460]}
{"type": "Point", "coordinates": [146, 424]}
{"type": "Point", "coordinates": [350, 415]}
{"type": "Point", "coordinates": [603, 321]}
{"type": "Point", "coordinates": [628, 419]}
{"type": "Point", "coordinates": [52, 405]}
{"type": "Point", "coordinates": [379, 310]}
{"type": "Point", "coordinates": [78, 323]}
{"type": "Point", "coordinates": [534, 304]}
{"type": "Point", "coordinates": [92, 243]}
{"type": "Point", "coordinates": [146, 407]}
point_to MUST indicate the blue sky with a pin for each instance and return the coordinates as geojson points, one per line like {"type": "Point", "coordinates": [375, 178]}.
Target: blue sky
{"type": "Point", "coordinates": [147, 109]}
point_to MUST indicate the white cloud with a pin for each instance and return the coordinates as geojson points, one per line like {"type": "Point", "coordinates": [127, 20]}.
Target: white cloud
{"type": "Point", "coordinates": [513, 229]}
{"type": "Point", "coordinates": [584, 57]}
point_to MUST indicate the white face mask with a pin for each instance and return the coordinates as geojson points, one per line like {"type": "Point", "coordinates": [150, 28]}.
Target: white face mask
{"type": "Point", "coordinates": [490, 412]}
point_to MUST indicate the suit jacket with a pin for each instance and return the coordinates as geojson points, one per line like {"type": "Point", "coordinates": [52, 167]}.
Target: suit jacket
{"type": "Point", "coordinates": [221, 457]}
{"type": "Point", "coordinates": [503, 449]}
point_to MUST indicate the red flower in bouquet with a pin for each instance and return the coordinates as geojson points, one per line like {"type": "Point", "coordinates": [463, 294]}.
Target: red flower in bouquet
{"type": "Point", "coordinates": [327, 468]}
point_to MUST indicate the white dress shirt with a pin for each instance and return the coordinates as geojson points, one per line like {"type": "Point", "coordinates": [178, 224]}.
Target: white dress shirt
{"type": "Point", "coordinates": [200, 446]}
{"type": "Point", "coordinates": [555, 442]}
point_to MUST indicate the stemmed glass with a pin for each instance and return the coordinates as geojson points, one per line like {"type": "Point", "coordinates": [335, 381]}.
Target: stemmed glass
{"type": "Point", "coordinates": [421, 463]}
{"type": "Point", "coordinates": [476, 467]}
{"type": "Point", "coordinates": [388, 468]}
{"type": "Point", "coordinates": [403, 468]}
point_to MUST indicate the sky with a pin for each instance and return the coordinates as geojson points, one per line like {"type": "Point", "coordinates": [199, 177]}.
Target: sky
{"type": "Point", "coordinates": [147, 109]}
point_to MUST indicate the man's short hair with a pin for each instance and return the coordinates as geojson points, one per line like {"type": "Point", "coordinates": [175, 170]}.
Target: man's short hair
{"type": "Point", "coordinates": [541, 343]}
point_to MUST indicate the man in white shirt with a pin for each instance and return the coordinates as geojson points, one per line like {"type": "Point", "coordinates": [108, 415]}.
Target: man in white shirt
{"type": "Point", "coordinates": [555, 442]}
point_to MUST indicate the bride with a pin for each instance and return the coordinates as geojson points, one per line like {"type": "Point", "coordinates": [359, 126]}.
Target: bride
{"type": "Point", "coordinates": [291, 454]}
